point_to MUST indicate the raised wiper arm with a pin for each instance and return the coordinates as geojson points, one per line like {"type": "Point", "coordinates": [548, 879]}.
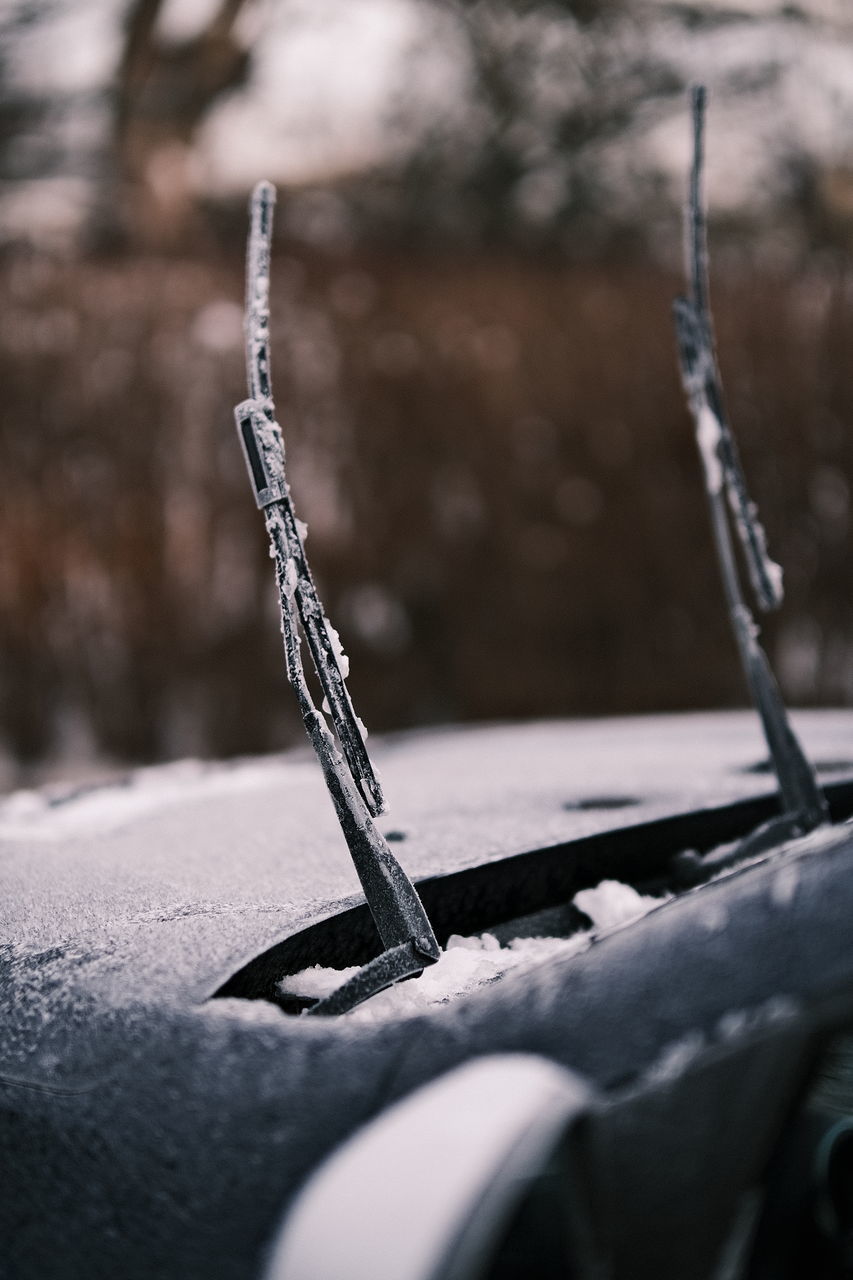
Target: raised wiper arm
{"type": "Point", "coordinates": [400, 919]}
{"type": "Point", "coordinates": [764, 573]}
{"type": "Point", "coordinates": [803, 802]}
{"type": "Point", "coordinates": [264, 450]}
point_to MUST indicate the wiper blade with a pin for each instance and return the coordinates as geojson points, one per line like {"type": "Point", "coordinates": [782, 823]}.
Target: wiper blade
{"type": "Point", "coordinates": [263, 446]}
{"type": "Point", "coordinates": [706, 382]}
{"type": "Point", "coordinates": [400, 918]}
{"type": "Point", "coordinates": [802, 800]}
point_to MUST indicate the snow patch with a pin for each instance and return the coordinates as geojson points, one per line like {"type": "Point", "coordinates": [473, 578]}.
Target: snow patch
{"type": "Point", "coordinates": [338, 649]}
{"type": "Point", "coordinates": [44, 815]}
{"type": "Point", "coordinates": [678, 1056]}
{"type": "Point", "coordinates": [708, 435]}
{"type": "Point", "coordinates": [291, 578]}
{"type": "Point", "coordinates": [784, 886]}
{"type": "Point", "coordinates": [612, 903]}
{"type": "Point", "coordinates": [675, 1058]}
{"type": "Point", "coordinates": [775, 575]}
{"type": "Point", "coordinates": [714, 917]}
{"type": "Point", "coordinates": [468, 963]}
{"type": "Point", "coordinates": [465, 965]}
{"type": "Point", "coordinates": [738, 1022]}
{"type": "Point", "coordinates": [733, 1024]}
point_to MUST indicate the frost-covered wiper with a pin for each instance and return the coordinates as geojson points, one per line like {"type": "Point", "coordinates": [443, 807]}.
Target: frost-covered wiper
{"type": "Point", "coordinates": [804, 806]}
{"type": "Point", "coordinates": [397, 910]}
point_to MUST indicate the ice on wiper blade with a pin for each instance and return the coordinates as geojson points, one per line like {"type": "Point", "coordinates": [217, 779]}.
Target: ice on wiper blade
{"type": "Point", "coordinates": [803, 803]}
{"type": "Point", "coordinates": [407, 936]}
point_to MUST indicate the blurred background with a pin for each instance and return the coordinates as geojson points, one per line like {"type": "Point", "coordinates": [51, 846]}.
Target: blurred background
{"type": "Point", "coordinates": [477, 243]}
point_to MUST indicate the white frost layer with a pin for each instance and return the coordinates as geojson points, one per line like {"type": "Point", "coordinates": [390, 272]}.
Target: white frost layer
{"type": "Point", "coordinates": [42, 815]}
{"type": "Point", "coordinates": [470, 963]}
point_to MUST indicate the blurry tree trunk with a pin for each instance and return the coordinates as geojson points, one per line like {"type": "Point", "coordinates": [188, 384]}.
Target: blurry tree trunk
{"type": "Point", "coordinates": [162, 92]}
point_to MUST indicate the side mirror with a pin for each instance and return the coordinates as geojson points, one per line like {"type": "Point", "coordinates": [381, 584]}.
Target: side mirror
{"type": "Point", "coordinates": [474, 1177]}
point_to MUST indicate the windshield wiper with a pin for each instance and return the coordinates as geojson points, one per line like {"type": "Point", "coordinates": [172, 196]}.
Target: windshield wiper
{"type": "Point", "coordinates": [804, 806]}
{"type": "Point", "coordinates": [401, 921]}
